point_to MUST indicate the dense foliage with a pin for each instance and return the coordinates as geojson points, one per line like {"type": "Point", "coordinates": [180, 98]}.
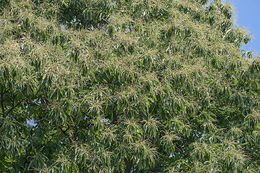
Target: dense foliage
{"type": "Point", "coordinates": [126, 85]}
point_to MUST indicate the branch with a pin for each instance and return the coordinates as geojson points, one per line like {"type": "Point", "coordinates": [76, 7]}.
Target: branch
{"type": "Point", "coordinates": [156, 169]}
{"type": "Point", "coordinates": [10, 110]}
{"type": "Point", "coordinates": [43, 119]}
{"type": "Point", "coordinates": [2, 103]}
{"type": "Point", "coordinates": [115, 118]}
{"type": "Point", "coordinates": [128, 166]}
{"type": "Point", "coordinates": [67, 135]}
{"type": "Point", "coordinates": [114, 121]}
{"type": "Point", "coordinates": [46, 102]}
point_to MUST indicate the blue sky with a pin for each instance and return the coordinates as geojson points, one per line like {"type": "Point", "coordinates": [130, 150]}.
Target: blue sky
{"type": "Point", "coordinates": [247, 14]}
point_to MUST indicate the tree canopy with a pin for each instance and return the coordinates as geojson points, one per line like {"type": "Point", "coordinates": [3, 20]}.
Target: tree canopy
{"type": "Point", "coordinates": [102, 86]}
